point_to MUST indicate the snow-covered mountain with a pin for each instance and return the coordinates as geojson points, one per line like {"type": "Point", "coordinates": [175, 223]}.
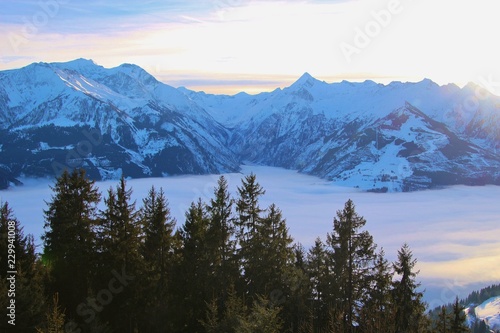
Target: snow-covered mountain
{"type": "Point", "coordinates": [488, 311]}
{"type": "Point", "coordinates": [109, 121]}
{"type": "Point", "coordinates": [401, 136]}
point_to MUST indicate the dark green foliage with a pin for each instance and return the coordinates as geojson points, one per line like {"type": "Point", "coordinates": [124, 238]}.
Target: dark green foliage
{"type": "Point", "coordinates": [352, 253]}
{"type": "Point", "coordinates": [377, 314]}
{"type": "Point", "coordinates": [458, 324]}
{"type": "Point", "coordinates": [230, 320]}
{"type": "Point", "coordinates": [119, 241]}
{"type": "Point", "coordinates": [478, 297]}
{"type": "Point", "coordinates": [318, 270]}
{"type": "Point", "coordinates": [54, 321]}
{"type": "Point", "coordinates": [69, 239]}
{"type": "Point", "coordinates": [261, 317]}
{"type": "Point", "coordinates": [443, 325]}
{"type": "Point", "coordinates": [247, 207]}
{"type": "Point", "coordinates": [231, 267]}
{"type": "Point", "coordinates": [158, 258]}
{"type": "Point", "coordinates": [221, 244]}
{"type": "Point", "coordinates": [410, 309]}
{"type": "Point", "coordinates": [194, 269]}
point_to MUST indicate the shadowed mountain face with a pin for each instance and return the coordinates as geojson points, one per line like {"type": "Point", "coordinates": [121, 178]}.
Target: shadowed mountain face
{"type": "Point", "coordinates": [396, 137]}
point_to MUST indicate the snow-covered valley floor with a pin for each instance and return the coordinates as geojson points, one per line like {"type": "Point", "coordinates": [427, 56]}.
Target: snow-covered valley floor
{"type": "Point", "coordinates": [453, 232]}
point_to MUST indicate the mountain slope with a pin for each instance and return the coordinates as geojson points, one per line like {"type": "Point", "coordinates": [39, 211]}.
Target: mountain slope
{"type": "Point", "coordinates": [396, 137]}
{"type": "Point", "coordinates": [488, 311]}
{"type": "Point", "coordinates": [366, 134]}
{"type": "Point", "coordinates": [141, 126]}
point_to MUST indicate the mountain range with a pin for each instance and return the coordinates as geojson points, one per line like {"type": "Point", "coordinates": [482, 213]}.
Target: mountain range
{"type": "Point", "coordinates": [394, 137]}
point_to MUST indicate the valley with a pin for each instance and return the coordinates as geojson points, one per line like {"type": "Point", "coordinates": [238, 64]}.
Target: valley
{"type": "Point", "coordinates": [453, 232]}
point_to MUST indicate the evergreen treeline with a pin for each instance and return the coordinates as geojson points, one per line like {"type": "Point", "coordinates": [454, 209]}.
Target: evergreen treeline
{"type": "Point", "coordinates": [230, 267]}
{"type": "Point", "coordinates": [478, 297]}
{"type": "Point", "coordinates": [448, 313]}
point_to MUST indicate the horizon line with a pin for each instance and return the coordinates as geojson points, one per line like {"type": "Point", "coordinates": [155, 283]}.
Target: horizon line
{"type": "Point", "coordinates": [253, 84]}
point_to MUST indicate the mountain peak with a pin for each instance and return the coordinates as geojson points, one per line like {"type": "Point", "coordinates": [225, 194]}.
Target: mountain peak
{"type": "Point", "coordinates": [78, 65]}
{"type": "Point", "coordinates": [427, 84]}
{"type": "Point", "coordinates": [306, 80]}
{"type": "Point", "coordinates": [306, 76]}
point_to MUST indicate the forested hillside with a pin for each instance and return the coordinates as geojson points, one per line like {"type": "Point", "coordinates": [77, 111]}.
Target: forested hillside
{"type": "Point", "coordinates": [230, 266]}
{"type": "Point", "coordinates": [478, 320]}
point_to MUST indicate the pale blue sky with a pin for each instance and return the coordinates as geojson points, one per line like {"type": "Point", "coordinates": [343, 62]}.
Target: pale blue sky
{"type": "Point", "coordinates": [233, 45]}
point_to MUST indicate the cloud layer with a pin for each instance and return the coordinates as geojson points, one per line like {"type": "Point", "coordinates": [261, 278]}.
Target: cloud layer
{"type": "Point", "coordinates": [453, 232]}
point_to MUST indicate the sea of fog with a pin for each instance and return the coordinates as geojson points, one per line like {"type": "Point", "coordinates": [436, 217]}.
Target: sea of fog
{"type": "Point", "coordinates": [453, 232]}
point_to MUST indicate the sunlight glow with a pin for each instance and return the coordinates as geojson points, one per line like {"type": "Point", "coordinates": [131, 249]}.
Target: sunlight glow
{"type": "Point", "coordinates": [446, 41]}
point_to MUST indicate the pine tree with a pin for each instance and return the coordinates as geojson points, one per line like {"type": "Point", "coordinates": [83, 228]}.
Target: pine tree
{"type": "Point", "coordinates": [443, 323]}
{"type": "Point", "coordinates": [120, 229]}
{"type": "Point", "coordinates": [377, 313]}
{"type": "Point", "coordinates": [54, 321]}
{"type": "Point", "coordinates": [221, 245]}
{"type": "Point", "coordinates": [158, 256]}
{"type": "Point", "coordinates": [352, 253]}
{"type": "Point", "coordinates": [69, 238]}
{"type": "Point", "coordinates": [119, 251]}
{"type": "Point", "coordinates": [458, 324]}
{"type": "Point", "coordinates": [296, 312]}
{"type": "Point", "coordinates": [318, 269]}
{"type": "Point", "coordinates": [249, 218]}
{"type": "Point", "coordinates": [270, 255]}
{"type": "Point", "coordinates": [194, 272]}
{"type": "Point", "coordinates": [264, 317]}
{"type": "Point", "coordinates": [247, 206]}
{"type": "Point", "coordinates": [233, 319]}
{"type": "Point", "coordinates": [410, 309]}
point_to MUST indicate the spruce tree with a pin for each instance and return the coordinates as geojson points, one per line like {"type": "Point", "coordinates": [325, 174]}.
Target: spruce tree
{"type": "Point", "coordinates": [378, 311]}
{"type": "Point", "coordinates": [247, 206]}
{"type": "Point", "coordinates": [194, 272]}
{"type": "Point", "coordinates": [55, 318]}
{"type": "Point", "coordinates": [296, 312]}
{"type": "Point", "coordinates": [443, 322]}
{"type": "Point", "coordinates": [249, 218]}
{"type": "Point", "coordinates": [270, 258]}
{"type": "Point", "coordinates": [69, 238]}
{"type": "Point", "coordinates": [264, 317]}
{"type": "Point", "coordinates": [221, 245]}
{"type": "Point", "coordinates": [233, 319]}
{"type": "Point", "coordinates": [119, 242]}
{"type": "Point", "coordinates": [352, 255]}
{"type": "Point", "coordinates": [458, 323]}
{"type": "Point", "coordinates": [158, 255]}
{"type": "Point", "coordinates": [410, 309]}
{"type": "Point", "coordinates": [318, 269]}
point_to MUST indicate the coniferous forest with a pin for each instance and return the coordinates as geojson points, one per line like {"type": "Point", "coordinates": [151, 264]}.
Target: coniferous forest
{"type": "Point", "coordinates": [230, 266]}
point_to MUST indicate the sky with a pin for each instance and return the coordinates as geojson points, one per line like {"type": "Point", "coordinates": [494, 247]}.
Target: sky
{"type": "Point", "coordinates": [228, 46]}
{"type": "Point", "coordinates": [453, 232]}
